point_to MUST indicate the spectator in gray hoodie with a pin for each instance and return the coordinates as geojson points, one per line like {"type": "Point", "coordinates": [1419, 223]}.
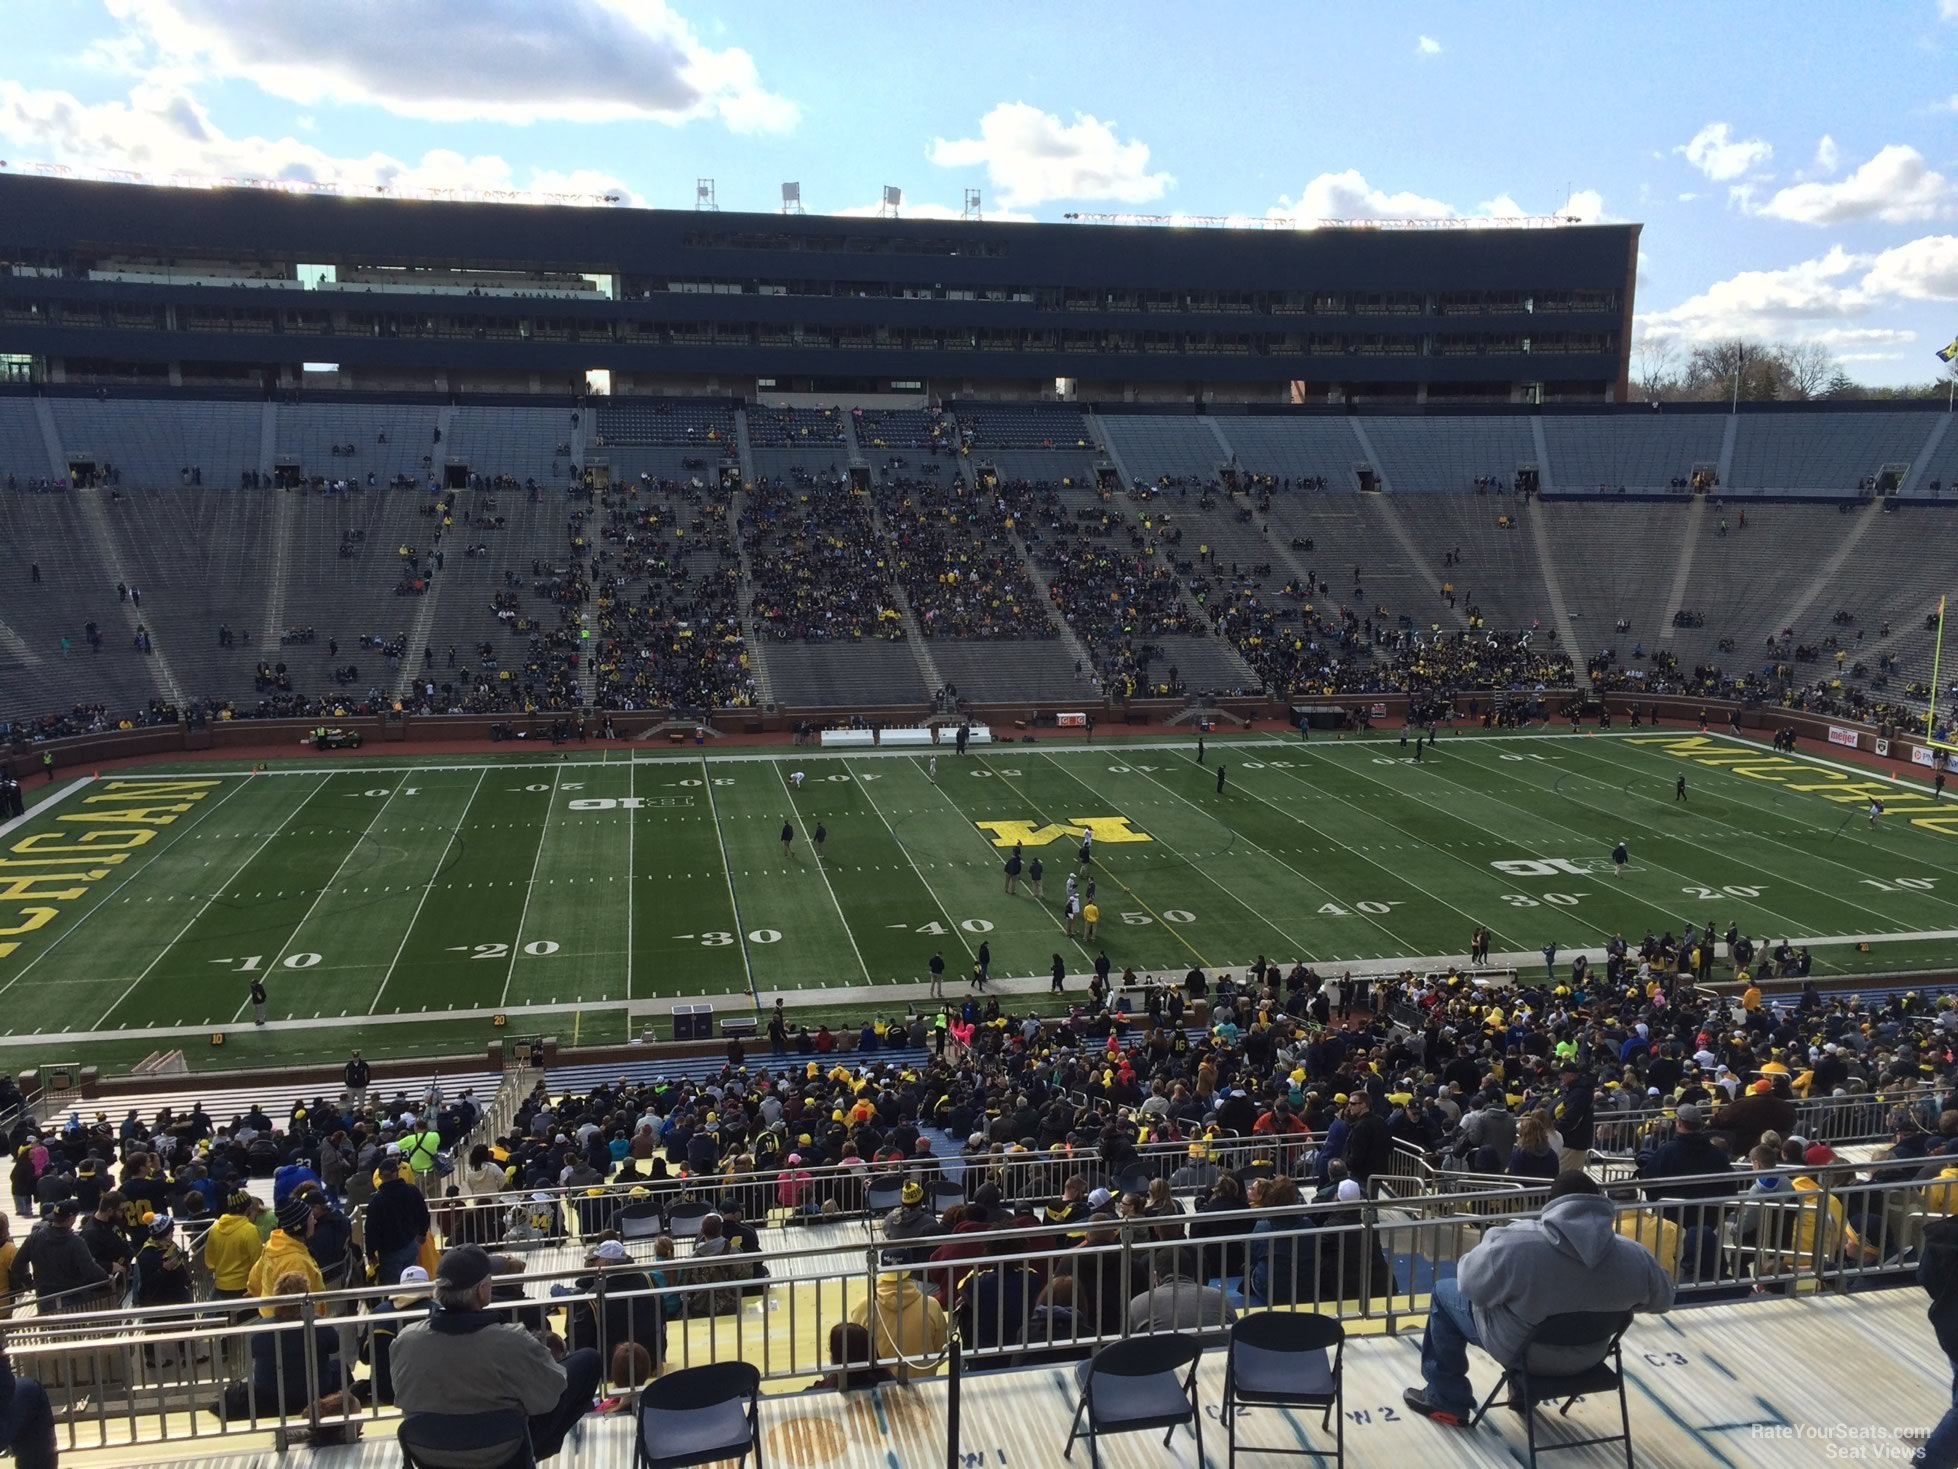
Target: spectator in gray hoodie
{"type": "Point", "coordinates": [466, 1359]}
{"type": "Point", "coordinates": [1568, 1258]}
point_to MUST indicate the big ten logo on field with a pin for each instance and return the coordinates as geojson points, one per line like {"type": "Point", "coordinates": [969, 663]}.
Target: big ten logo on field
{"type": "Point", "coordinates": [1109, 829]}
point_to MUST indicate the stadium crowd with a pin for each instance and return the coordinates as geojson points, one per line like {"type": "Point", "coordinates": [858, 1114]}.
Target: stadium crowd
{"type": "Point", "coordinates": [954, 555]}
{"type": "Point", "coordinates": [817, 569]}
{"type": "Point", "coordinates": [680, 644]}
{"type": "Point", "coordinates": [1279, 1102]}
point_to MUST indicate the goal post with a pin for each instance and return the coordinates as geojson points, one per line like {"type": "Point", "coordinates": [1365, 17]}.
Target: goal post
{"type": "Point", "coordinates": [1937, 666]}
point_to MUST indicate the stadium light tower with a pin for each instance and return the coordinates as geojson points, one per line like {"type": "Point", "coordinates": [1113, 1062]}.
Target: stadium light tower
{"type": "Point", "coordinates": [703, 195]}
{"type": "Point", "coordinates": [972, 205]}
{"type": "Point", "coordinates": [893, 198]}
{"type": "Point", "coordinates": [791, 198]}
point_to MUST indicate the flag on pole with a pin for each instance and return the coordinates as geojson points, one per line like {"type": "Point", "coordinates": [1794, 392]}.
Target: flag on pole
{"type": "Point", "coordinates": [1949, 352]}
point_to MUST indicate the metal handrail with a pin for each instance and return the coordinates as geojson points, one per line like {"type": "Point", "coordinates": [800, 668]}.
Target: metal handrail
{"type": "Point", "coordinates": [98, 1365]}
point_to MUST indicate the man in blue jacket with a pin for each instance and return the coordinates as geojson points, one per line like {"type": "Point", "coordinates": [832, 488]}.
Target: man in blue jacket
{"type": "Point", "coordinates": [26, 1420]}
{"type": "Point", "coordinates": [1937, 1272]}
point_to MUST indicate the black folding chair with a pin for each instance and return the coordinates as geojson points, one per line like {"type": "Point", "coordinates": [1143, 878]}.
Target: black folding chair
{"type": "Point", "coordinates": [1607, 1375]}
{"type": "Point", "coordinates": [683, 1219]}
{"type": "Point", "coordinates": [1287, 1359]}
{"type": "Point", "coordinates": [1132, 1385]}
{"type": "Point", "coordinates": [700, 1415]}
{"type": "Point", "coordinates": [638, 1221]}
{"type": "Point", "coordinates": [499, 1440]}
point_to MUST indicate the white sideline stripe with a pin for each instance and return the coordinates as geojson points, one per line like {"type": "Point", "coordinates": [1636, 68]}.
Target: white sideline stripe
{"type": "Point", "coordinates": [884, 994]}
{"type": "Point", "coordinates": [54, 800]}
{"type": "Point", "coordinates": [1115, 750]}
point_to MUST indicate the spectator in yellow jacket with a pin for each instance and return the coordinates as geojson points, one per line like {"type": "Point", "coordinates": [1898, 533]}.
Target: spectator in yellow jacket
{"type": "Point", "coordinates": [286, 1254]}
{"type": "Point", "coordinates": [232, 1247]}
{"type": "Point", "coordinates": [904, 1323]}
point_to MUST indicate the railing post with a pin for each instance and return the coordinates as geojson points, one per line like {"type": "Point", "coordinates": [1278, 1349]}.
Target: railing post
{"type": "Point", "coordinates": [952, 1407]}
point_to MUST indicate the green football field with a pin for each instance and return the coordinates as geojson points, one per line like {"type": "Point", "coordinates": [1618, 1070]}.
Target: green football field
{"type": "Point", "coordinates": [562, 891]}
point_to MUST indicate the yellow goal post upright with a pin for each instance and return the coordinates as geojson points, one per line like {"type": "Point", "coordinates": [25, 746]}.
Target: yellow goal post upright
{"type": "Point", "coordinates": [1931, 713]}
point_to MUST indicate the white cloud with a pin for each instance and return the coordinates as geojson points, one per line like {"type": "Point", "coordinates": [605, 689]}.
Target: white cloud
{"type": "Point", "coordinates": [1897, 185]}
{"type": "Point", "coordinates": [1925, 269]}
{"type": "Point", "coordinates": [1799, 299]}
{"type": "Point", "coordinates": [1827, 155]}
{"type": "Point", "coordinates": [1587, 205]}
{"type": "Point", "coordinates": [1950, 104]}
{"type": "Point", "coordinates": [1348, 195]}
{"type": "Point", "coordinates": [1427, 46]}
{"type": "Point", "coordinates": [1032, 157]}
{"type": "Point", "coordinates": [1688, 197]}
{"type": "Point", "coordinates": [908, 210]}
{"type": "Point", "coordinates": [448, 60]}
{"type": "Point", "coordinates": [164, 131]}
{"type": "Point", "coordinates": [1864, 336]}
{"type": "Point", "coordinates": [1717, 153]}
{"type": "Point", "coordinates": [1948, 9]}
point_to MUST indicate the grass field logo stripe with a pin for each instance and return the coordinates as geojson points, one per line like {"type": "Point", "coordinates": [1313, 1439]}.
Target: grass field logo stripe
{"type": "Point", "coordinates": [243, 868]}
{"type": "Point", "coordinates": [523, 913]}
{"type": "Point", "coordinates": [203, 815]}
{"type": "Point", "coordinates": [441, 862]}
{"type": "Point", "coordinates": [965, 819]}
{"type": "Point", "coordinates": [727, 872]}
{"type": "Point", "coordinates": [850, 932]}
{"type": "Point", "coordinates": [1109, 873]}
{"type": "Point", "coordinates": [1783, 922]}
{"type": "Point", "coordinates": [943, 912]}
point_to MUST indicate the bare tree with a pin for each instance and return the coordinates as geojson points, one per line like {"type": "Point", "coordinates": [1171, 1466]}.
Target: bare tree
{"type": "Point", "coordinates": [1806, 368]}
{"type": "Point", "coordinates": [1658, 365]}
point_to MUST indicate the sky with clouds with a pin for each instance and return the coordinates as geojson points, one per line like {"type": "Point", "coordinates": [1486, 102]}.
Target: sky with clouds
{"type": "Point", "coordinates": [1795, 165]}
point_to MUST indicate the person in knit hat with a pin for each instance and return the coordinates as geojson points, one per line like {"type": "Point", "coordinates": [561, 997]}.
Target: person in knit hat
{"type": "Point", "coordinates": [286, 1255]}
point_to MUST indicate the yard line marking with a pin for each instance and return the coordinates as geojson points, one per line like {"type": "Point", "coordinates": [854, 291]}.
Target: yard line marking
{"type": "Point", "coordinates": [1195, 866]}
{"type": "Point", "coordinates": [1811, 826]}
{"type": "Point", "coordinates": [162, 952]}
{"type": "Point", "coordinates": [292, 937]}
{"type": "Point", "coordinates": [944, 912]}
{"type": "Point", "coordinates": [1397, 876]}
{"type": "Point", "coordinates": [727, 871]}
{"type": "Point", "coordinates": [131, 877]}
{"type": "Point", "coordinates": [1331, 896]}
{"type": "Point", "coordinates": [427, 888]}
{"type": "Point", "coordinates": [1107, 872]}
{"type": "Point", "coordinates": [543, 833]}
{"type": "Point", "coordinates": [631, 857]}
{"type": "Point", "coordinates": [823, 873]}
{"type": "Point", "coordinates": [1658, 832]}
{"type": "Point", "coordinates": [965, 823]}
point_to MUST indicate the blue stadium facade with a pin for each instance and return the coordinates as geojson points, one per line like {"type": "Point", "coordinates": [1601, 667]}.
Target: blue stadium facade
{"type": "Point", "coordinates": [241, 287]}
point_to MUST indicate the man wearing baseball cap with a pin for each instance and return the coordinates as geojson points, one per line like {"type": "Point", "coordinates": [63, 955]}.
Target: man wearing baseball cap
{"type": "Point", "coordinates": [467, 1359]}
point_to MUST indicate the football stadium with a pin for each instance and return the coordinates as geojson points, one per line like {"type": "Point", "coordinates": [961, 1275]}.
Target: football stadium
{"type": "Point", "coordinates": [875, 839]}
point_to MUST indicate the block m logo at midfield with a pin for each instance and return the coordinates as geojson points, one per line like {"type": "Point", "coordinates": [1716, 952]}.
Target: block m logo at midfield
{"type": "Point", "coordinates": [1106, 829]}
